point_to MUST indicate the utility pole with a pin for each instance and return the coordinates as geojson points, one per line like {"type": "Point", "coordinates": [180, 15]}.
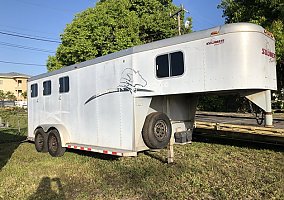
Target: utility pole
{"type": "Point", "coordinates": [172, 140]}
{"type": "Point", "coordinates": [178, 13]}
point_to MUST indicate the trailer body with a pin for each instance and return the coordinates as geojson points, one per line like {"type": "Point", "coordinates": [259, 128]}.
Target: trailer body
{"type": "Point", "coordinates": [101, 105]}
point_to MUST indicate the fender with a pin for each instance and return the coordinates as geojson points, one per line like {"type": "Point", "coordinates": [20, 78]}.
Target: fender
{"type": "Point", "coordinates": [63, 132]}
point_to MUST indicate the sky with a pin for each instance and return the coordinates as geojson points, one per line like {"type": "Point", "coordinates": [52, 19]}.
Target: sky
{"type": "Point", "coordinates": [30, 29]}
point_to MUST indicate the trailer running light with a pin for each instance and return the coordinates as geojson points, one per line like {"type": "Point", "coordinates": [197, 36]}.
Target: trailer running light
{"type": "Point", "coordinates": [95, 150]}
{"type": "Point", "coordinates": [214, 33]}
{"type": "Point", "coordinates": [269, 34]}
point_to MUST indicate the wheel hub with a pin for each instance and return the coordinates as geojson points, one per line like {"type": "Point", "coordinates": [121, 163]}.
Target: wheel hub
{"type": "Point", "coordinates": [53, 143]}
{"type": "Point", "coordinates": [160, 130]}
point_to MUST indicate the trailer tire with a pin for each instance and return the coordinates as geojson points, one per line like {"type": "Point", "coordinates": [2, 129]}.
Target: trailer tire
{"type": "Point", "coordinates": [41, 140]}
{"type": "Point", "coordinates": [157, 130]}
{"type": "Point", "coordinates": [55, 148]}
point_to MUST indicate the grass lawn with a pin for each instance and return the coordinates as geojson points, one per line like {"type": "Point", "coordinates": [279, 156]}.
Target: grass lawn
{"type": "Point", "coordinates": [202, 170]}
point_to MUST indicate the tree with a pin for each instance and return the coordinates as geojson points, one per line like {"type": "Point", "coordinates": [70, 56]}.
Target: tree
{"type": "Point", "coordinates": [2, 95]}
{"type": "Point", "coordinates": [269, 14]}
{"type": "Point", "coordinates": [10, 96]}
{"type": "Point", "coordinates": [113, 25]}
{"type": "Point", "coordinates": [25, 94]}
{"type": "Point", "coordinates": [7, 96]}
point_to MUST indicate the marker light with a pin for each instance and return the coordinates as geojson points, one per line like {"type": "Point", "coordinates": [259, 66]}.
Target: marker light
{"type": "Point", "coordinates": [268, 34]}
{"type": "Point", "coordinates": [214, 33]}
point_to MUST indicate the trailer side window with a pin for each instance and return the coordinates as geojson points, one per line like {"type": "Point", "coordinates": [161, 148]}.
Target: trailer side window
{"type": "Point", "coordinates": [177, 65]}
{"type": "Point", "coordinates": [171, 64]}
{"type": "Point", "coordinates": [162, 66]}
{"type": "Point", "coordinates": [34, 90]}
{"type": "Point", "coordinates": [46, 87]}
{"type": "Point", "coordinates": [64, 84]}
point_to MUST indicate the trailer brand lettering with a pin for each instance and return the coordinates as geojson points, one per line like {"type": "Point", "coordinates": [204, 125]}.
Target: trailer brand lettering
{"type": "Point", "coordinates": [268, 53]}
{"type": "Point", "coordinates": [215, 42]}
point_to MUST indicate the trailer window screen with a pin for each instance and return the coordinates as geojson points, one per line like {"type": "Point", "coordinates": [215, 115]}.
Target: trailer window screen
{"type": "Point", "coordinates": [34, 90]}
{"type": "Point", "coordinates": [64, 84]}
{"type": "Point", "coordinates": [169, 65]}
{"type": "Point", "coordinates": [46, 87]}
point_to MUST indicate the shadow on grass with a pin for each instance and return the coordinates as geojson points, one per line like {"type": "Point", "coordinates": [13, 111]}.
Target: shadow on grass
{"type": "Point", "coordinates": [155, 156]}
{"type": "Point", "coordinates": [94, 154]}
{"type": "Point", "coordinates": [114, 158]}
{"type": "Point", "coordinates": [49, 188]}
{"type": "Point", "coordinates": [10, 135]}
{"type": "Point", "coordinates": [9, 142]}
{"type": "Point", "coordinates": [238, 142]}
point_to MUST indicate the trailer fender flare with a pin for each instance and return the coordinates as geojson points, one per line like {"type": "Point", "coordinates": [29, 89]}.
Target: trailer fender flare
{"type": "Point", "coordinates": [63, 132]}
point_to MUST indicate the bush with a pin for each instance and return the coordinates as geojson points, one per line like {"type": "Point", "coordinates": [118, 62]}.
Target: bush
{"type": "Point", "coordinates": [223, 103]}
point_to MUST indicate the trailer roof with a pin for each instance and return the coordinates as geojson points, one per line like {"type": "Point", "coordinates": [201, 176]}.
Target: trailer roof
{"type": "Point", "coordinates": [227, 28]}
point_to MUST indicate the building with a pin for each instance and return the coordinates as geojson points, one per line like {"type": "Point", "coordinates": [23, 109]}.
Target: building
{"type": "Point", "coordinates": [15, 83]}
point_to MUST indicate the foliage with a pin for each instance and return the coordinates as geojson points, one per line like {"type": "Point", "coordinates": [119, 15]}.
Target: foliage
{"type": "Point", "coordinates": [10, 96]}
{"type": "Point", "coordinates": [269, 14]}
{"type": "Point", "coordinates": [224, 103]}
{"type": "Point", "coordinates": [113, 25]}
{"type": "Point", "coordinates": [25, 95]}
{"type": "Point", "coordinates": [7, 96]}
{"type": "Point", "coordinates": [53, 63]}
{"type": "Point", "coordinates": [2, 95]}
{"type": "Point", "coordinates": [16, 117]}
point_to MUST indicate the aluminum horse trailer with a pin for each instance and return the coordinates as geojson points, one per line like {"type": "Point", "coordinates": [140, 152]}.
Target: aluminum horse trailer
{"type": "Point", "coordinates": [137, 99]}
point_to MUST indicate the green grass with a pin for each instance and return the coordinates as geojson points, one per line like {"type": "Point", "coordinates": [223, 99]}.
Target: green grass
{"type": "Point", "coordinates": [202, 170]}
{"type": "Point", "coordinates": [15, 118]}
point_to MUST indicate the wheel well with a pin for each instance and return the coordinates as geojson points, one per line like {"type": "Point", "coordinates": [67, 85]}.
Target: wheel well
{"type": "Point", "coordinates": [44, 129]}
{"type": "Point", "coordinates": [62, 130]}
{"type": "Point", "coordinates": [39, 127]}
{"type": "Point", "coordinates": [51, 128]}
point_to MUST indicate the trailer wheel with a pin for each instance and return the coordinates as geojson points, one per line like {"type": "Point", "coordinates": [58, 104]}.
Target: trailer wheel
{"type": "Point", "coordinates": [41, 141]}
{"type": "Point", "coordinates": [157, 130]}
{"type": "Point", "coordinates": [55, 148]}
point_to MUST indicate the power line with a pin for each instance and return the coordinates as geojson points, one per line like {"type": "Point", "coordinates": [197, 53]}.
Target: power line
{"type": "Point", "coordinates": [25, 47]}
{"type": "Point", "coordinates": [28, 37]}
{"type": "Point", "coordinates": [19, 63]}
{"type": "Point", "coordinates": [24, 34]}
{"type": "Point", "coordinates": [26, 29]}
{"type": "Point", "coordinates": [47, 7]}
